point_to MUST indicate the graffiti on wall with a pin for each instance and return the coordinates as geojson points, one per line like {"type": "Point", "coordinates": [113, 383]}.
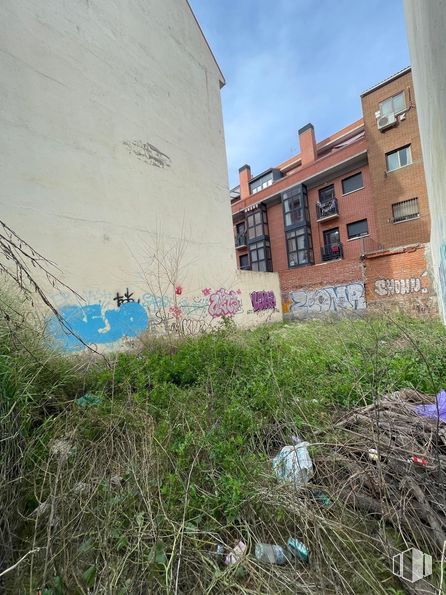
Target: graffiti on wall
{"type": "Point", "coordinates": [94, 325]}
{"type": "Point", "coordinates": [107, 317]}
{"type": "Point", "coordinates": [263, 300]}
{"type": "Point", "coordinates": [389, 287]}
{"type": "Point", "coordinates": [340, 298]}
{"type": "Point", "coordinates": [224, 302]}
{"type": "Point", "coordinates": [126, 298]}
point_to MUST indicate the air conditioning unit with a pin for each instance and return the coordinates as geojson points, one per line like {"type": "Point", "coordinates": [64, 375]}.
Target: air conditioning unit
{"type": "Point", "coordinates": [386, 121]}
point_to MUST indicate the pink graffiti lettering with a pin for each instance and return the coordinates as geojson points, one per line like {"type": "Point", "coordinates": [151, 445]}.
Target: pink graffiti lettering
{"type": "Point", "coordinates": [263, 300]}
{"type": "Point", "coordinates": [176, 311]}
{"type": "Point", "coordinates": [224, 302]}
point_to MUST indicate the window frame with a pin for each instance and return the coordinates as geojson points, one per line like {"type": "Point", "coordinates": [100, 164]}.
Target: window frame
{"type": "Point", "coordinates": [287, 197]}
{"type": "Point", "coordinates": [240, 231]}
{"type": "Point", "coordinates": [262, 225]}
{"type": "Point", "coordinates": [294, 234]}
{"type": "Point", "coordinates": [359, 173]}
{"type": "Point", "coordinates": [396, 113]}
{"type": "Point", "coordinates": [397, 151]}
{"type": "Point", "coordinates": [254, 248]}
{"type": "Point", "coordinates": [396, 204]}
{"type": "Point", "coordinates": [326, 188]}
{"type": "Point", "coordinates": [248, 265]}
{"type": "Point", "coordinates": [261, 183]}
{"type": "Point", "coordinates": [328, 231]}
{"type": "Point", "coordinates": [362, 235]}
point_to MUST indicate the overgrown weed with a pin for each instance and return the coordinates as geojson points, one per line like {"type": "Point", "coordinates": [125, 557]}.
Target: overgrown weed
{"type": "Point", "coordinates": [134, 494]}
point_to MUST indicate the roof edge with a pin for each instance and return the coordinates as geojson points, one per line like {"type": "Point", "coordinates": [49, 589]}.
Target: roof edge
{"type": "Point", "coordinates": [387, 80]}
{"type": "Point", "coordinates": [222, 77]}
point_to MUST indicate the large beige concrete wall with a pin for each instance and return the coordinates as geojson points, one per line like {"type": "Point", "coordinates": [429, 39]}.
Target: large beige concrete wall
{"type": "Point", "coordinates": [260, 296]}
{"type": "Point", "coordinates": [112, 156]}
{"type": "Point", "coordinates": [426, 29]}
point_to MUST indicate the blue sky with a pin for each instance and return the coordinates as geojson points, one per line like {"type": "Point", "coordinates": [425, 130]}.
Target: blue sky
{"type": "Point", "coordinates": [290, 62]}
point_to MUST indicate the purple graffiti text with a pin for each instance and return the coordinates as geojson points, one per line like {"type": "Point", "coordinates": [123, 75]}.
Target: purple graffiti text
{"type": "Point", "coordinates": [263, 300]}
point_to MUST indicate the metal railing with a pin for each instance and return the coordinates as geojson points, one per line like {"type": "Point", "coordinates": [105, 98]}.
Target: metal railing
{"type": "Point", "coordinates": [328, 209]}
{"type": "Point", "coordinates": [370, 245]}
{"type": "Point", "coordinates": [240, 240]}
{"type": "Point", "coordinates": [332, 251]}
{"type": "Point", "coordinates": [403, 211]}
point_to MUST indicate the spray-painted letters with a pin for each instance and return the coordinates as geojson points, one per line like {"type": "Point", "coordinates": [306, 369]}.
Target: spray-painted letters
{"type": "Point", "coordinates": [385, 287]}
{"type": "Point", "coordinates": [263, 300]}
{"type": "Point", "coordinates": [93, 325]}
{"type": "Point", "coordinates": [312, 302]}
{"type": "Point", "coordinates": [224, 302]}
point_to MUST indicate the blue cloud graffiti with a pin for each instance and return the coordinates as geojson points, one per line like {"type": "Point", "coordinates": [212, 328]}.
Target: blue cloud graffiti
{"type": "Point", "coordinates": [95, 326]}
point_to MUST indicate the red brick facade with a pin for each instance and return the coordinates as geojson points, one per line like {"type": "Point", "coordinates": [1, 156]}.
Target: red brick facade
{"type": "Point", "coordinates": [349, 246]}
{"type": "Point", "coordinates": [408, 182]}
{"type": "Point", "coordinates": [400, 277]}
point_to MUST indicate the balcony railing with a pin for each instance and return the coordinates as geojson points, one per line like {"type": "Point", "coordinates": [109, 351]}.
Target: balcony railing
{"type": "Point", "coordinates": [370, 245]}
{"type": "Point", "coordinates": [240, 240]}
{"type": "Point", "coordinates": [327, 210]}
{"type": "Point", "coordinates": [332, 252]}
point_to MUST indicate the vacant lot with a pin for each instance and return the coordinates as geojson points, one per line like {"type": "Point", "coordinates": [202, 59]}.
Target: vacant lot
{"type": "Point", "coordinates": [131, 489]}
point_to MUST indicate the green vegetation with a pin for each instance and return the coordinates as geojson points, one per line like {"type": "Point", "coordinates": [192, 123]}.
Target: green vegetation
{"type": "Point", "coordinates": [131, 495]}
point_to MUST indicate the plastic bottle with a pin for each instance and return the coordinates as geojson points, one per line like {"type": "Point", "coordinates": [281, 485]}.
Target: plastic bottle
{"type": "Point", "coordinates": [298, 549]}
{"type": "Point", "coordinates": [270, 554]}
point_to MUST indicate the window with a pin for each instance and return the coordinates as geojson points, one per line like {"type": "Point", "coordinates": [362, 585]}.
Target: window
{"type": "Point", "coordinates": [326, 194]}
{"type": "Point", "coordinates": [299, 247]}
{"type": "Point", "coordinates": [393, 105]}
{"type": "Point", "coordinates": [331, 236]}
{"type": "Point", "coordinates": [357, 229]}
{"type": "Point", "coordinates": [264, 181]}
{"type": "Point", "coordinates": [332, 248]}
{"type": "Point", "coordinates": [244, 261]}
{"type": "Point", "coordinates": [403, 211]}
{"type": "Point", "coordinates": [352, 183]}
{"type": "Point", "coordinates": [399, 158]}
{"type": "Point", "coordinates": [257, 224]}
{"type": "Point", "coordinates": [260, 256]}
{"type": "Point", "coordinates": [240, 228]}
{"type": "Point", "coordinates": [240, 234]}
{"type": "Point", "coordinates": [261, 183]}
{"type": "Point", "coordinates": [295, 206]}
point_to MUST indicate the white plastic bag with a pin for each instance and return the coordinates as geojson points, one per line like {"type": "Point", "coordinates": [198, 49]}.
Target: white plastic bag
{"type": "Point", "coordinates": [293, 464]}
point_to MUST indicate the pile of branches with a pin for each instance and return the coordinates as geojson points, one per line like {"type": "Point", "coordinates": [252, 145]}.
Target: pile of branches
{"type": "Point", "coordinates": [390, 463]}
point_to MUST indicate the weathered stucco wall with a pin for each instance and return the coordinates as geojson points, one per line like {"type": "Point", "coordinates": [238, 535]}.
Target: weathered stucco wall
{"type": "Point", "coordinates": [426, 29]}
{"type": "Point", "coordinates": [261, 298]}
{"type": "Point", "coordinates": [109, 318]}
{"type": "Point", "coordinates": [113, 156]}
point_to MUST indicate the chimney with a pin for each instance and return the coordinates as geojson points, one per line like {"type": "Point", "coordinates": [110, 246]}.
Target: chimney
{"type": "Point", "coordinates": [307, 143]}
{"type": "Point", "coordinates": [245, 178]}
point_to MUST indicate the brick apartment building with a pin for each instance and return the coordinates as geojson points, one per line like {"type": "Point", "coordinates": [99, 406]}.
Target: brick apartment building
{"type": "Point", "coordinates": [346, 221]}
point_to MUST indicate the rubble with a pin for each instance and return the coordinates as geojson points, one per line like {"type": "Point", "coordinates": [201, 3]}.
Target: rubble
{"type": "Point", "coordinates": [404, 482]}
